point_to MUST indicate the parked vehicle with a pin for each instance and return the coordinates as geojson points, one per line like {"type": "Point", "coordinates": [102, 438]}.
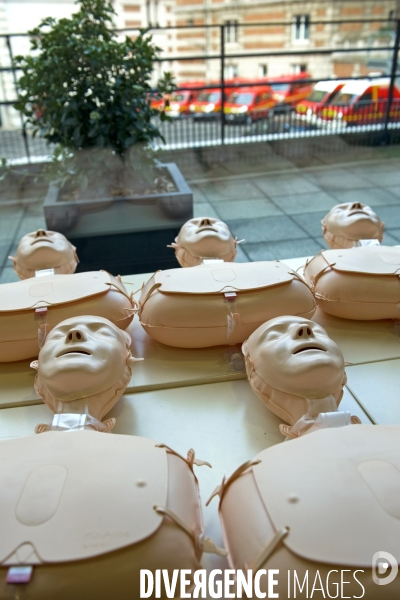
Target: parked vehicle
{"type": "Point", "coordinates": [249, 104]}
{"type": "Point", "coordinates": [157, 102]}
{"type": "Point", "coordinates": [322, 94]}
{"type": "Point", "coordinates": [289, 90]}
{"type": "Point", "coordinates": [208, 103]}
{"type": "Point", "coordinates": [362, 102]}
{"type": "Point", "coordinates": [180, 100]}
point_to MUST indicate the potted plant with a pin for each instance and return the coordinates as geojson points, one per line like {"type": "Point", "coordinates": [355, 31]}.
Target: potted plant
{"type": "Point", "coordinates": [88, 92]}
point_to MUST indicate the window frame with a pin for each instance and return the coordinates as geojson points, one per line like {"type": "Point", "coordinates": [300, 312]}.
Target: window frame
{"type": "Point", "coordinates": [231, 31]}
{"type": "Point", "coordinates": [301, 28]}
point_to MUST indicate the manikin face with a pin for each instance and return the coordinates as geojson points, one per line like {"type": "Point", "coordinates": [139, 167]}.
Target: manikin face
{"type": "Point", "coordinates": [44, 250]}
{"type": "Point", "coordinates": [206, 237]}
{"type": "Point", "coordinates": [298, 357]}
{"type": "Point", "coordinates": [82, 356]}
{"type": "Point", "coordinates": [355, 221]}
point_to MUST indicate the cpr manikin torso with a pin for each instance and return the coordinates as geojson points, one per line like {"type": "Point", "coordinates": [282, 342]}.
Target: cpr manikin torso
{"type": "Point", "coordinates": [204, 238]}
{"type": "Point", "coordinates": [43, 250]}
{"type": "Point", "coordinates": [320, 507]}
{"type": "Point", "coordinates": [85, 508]}
{"type": "Point", "coordinates": [356, 283]}
{"type": "Point", "coordinates": [32, 307]}
{"type": "Point", "coordinates": [297, 371]}
{"type": "Point", "coordinates": [352, 224]}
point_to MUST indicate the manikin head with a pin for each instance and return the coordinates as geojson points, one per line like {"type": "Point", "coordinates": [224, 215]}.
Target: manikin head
{"type": "Point", "coordinates": [291, 359]}
{"type": "Point", "coordinates": [204, 237]}
{"type": "Point", "coordinates": [348, 223]}
{"type": "Point", "coordinates": [43, 249]}
{"type": "Point", "coordinates": [87, 359]}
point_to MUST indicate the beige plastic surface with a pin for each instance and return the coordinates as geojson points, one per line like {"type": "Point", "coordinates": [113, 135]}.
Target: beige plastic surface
{"type": "Point", "coordinates": [106, 511]}
{"type": "Point", "coordinates": [357, 283]}
{"type": "Point", "coordinates": [58, 486]}
{"type": "Point", "coordinates": [187, 308]}
{"type": "Point", "coordinates": [204, 237]}
{"type": "Point", "coordinates": [96, 292]}
{"type": "Point", "coordinates": [360, 341]}
{"type": "Point", "coordinates": [291, 361]}
{"type": "Point", "coordinates": [237, 426]}
{"type": "Point", "coordinates": [84, 366]}
{"type": "Point", "coordinates": [51, 290]}
{"type": "Point", "coordinates": [43, 249]}
{"type": "Point", "coordinates": [207, 279]}
{"type": "Point", "coordinates": [164, 366]}
{"type": "Point", "coordinates": [359, 466]}
{"type": "Point", "coordinates": [370, 260]}
{"type": "Point", "coordinates": [347, 223]}
{"type": "Point", "coordinates": [249, 529]}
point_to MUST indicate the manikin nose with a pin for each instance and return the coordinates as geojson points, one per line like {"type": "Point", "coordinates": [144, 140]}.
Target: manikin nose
{"type": "Point", "coordinates": [304, 331]}
{"type": "Point", "coordinates": [76, 335]}
{"type": "Point", "coordinates": [205, 223]}
{"type": "Point", "coordinates": [41, 233]}
{"type": "Point", "coordinates": [356, 205]}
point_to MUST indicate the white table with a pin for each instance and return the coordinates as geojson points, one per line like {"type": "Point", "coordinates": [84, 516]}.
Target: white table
{"type": "Point", "coordinates": [377, 388]}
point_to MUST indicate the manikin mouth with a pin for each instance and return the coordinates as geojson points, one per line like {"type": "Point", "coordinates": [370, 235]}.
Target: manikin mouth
{"type": "Point", "coordinates": [358, 212]}
{"type": "Point", "coordinates": [42, 239]}
{"type": "Point", "coordinates": [207, 228]}
{"type": "Point", "coordinates": [74, 351]}
{"type": "Point", "coordinates": [305, 348]}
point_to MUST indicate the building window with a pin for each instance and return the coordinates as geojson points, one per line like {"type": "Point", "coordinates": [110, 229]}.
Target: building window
{"type": "Point", "coordinates": [231, 71]}
{"type": "Point", "coordinates": [231, 32]}
{"type": "Point", "coordinates": [301, 27]}
{"type": "Point", "coordinates": [190, 22]}
{"type": "Point", "coordinates": [298, 69]}
{"type": "Point", "coordinates": [262, 70]}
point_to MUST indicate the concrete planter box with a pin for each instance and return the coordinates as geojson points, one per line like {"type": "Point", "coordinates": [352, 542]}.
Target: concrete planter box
{"type": "Point", "coordinates": [105, 216]}
{"type": "Point", "coordinates": [123, 234]}
{"type": "Point", "coordinates": [24, 185]}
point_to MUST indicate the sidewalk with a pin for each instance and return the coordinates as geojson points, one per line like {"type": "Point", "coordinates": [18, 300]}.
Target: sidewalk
{"type": "Point", "coordinates": [279, 213]}
{"type": "Point", "coordinates": [272, 196]}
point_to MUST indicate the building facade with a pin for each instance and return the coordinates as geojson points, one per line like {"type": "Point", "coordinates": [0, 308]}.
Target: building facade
{"type": "Point", "coordinates": [264, 31]}
{"type": "Point", "coordinates": [153, 14]}
{"type": "Point", "coordinates": [283, 26]}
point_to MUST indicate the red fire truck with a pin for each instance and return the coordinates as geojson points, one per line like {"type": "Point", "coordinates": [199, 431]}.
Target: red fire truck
{"type": "Point", "coordinates": [289, 90]}
{"type": "Point", "coordinates": [321, 95]}
{"type": "Point", "coordinates": [362, 102]}
{"type": "Point", "coordinates": [249, 104]}
{"type": "Point", "coordinates": [180, 100]}
{"type": "Point", "coordinates": [208, 103]}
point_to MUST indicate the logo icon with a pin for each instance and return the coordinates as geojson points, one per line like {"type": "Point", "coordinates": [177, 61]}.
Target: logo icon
{"type": "Point", "coordinates": [384, 568]}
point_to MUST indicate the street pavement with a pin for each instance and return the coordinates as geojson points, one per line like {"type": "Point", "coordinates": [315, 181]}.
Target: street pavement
{"type": "Point", "coordinates": [272, 195]}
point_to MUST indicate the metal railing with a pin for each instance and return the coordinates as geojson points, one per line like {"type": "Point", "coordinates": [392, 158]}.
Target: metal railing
{"type": "Point", "coordinates": [190, 132]}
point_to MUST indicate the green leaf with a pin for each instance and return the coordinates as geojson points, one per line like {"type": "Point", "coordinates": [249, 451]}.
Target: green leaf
{"type": "Point", "coordinates": [81, 87]}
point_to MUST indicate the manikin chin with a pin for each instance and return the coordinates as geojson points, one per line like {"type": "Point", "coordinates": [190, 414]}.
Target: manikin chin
{"type": "Point", "coordinates": [83, 368]}
{"type": "Point", "coordinates": [346, 224]}
{"type": "Point", "coordinates": [42, 250]}
{"type": "Point", "coordinates": [204, 238]}
{"type": "Point", "coordinates": [295, 368]}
